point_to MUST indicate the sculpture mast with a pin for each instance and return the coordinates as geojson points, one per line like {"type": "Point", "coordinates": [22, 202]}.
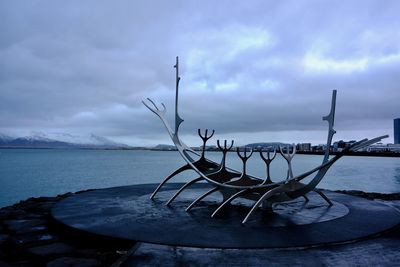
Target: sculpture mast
{"type": "Point", "coordinates": [178, 119]}
{"type": "Point", "coordinates": [330, 118]}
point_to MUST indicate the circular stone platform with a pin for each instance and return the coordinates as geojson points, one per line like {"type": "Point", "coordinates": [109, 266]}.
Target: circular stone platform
{"type": "Point", "coordinates": [128, 213]}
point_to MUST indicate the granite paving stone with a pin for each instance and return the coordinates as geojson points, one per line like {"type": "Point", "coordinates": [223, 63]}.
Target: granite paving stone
{"type": "Point", "coordinates": [373, 252]}
{"type": "Point", "coordinates": [73, 262]}
{"type": "Point", "coordinates": [26, 225]}
{"type": "Point", "coordinates": [3, 238]}
{"type": "Point", "coordinates": [51, 249]}
{"type": "Point", "coordinates": [4, 264]}
{"type": "Point", "coordinates": [33, 238]}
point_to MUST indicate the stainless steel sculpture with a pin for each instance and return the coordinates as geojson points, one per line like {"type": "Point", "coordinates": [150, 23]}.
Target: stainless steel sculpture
{"type": "Point", "coordinates": [233, 184]}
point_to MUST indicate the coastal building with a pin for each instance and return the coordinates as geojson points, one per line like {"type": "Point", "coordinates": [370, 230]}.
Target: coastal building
{"type": "Point", "coordinates": [303, 147]}
{"type": "Point", "coordinates": [394, 148]}
{"type": "Point", "coordinates": [379, 147]}
{"type": "Point", "coordinates": [340, 145]}
{"type": "Point", "coordinates": [396, 131]}
{"type": "Point", "coordinates": [319, 148]}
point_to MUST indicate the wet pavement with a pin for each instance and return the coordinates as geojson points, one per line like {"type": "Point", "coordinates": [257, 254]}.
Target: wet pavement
{"type": "Point", "coordinates": [30, 237]}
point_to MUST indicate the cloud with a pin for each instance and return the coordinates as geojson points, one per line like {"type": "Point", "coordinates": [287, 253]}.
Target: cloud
{"type": "Point", "coordinates": [258, 69]}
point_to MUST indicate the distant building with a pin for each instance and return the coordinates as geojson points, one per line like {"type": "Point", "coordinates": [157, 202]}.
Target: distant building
{"type": "Point", "coordinates": [319, 148]}
{"type": "Point", "coordinates": [303, 147]}
{"type": "Point", "coordinates": [394, 148]}
{"type": "Point", "coordinates": [340, 145]}
{"type": "Point", "coordinates": [396, 133]}
{"type": "Point", "coordinates": [378, 147]}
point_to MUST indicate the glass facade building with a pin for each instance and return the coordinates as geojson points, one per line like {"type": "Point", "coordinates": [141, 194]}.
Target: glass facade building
{"type": "Point", "coordinates": [396, 133]}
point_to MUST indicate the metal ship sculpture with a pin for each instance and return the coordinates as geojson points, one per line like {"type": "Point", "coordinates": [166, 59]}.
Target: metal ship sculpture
{"type": "Point", "coordinates": [233, 184]}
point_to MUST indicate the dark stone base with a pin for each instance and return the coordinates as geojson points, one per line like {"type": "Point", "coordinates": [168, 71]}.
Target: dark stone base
{"type": "Point", "coordinates": [127, 213]}
{"type": "Point", "coordinates": [29, 237]}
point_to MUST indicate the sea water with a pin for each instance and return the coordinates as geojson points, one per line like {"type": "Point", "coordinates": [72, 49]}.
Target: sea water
{"type": "Point", "coordinates": [28, 173]}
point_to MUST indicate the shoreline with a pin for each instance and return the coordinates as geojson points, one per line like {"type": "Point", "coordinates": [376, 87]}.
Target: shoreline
{"type": "Point", "coordinates": [350, 153]}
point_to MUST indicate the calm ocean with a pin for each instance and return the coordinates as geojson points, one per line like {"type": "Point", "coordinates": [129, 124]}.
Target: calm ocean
{"type": "Point", "coordinates": [47, 172]}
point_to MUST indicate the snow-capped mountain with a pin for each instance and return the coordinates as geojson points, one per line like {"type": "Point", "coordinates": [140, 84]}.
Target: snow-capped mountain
{"type": "Point", "coordinates": [91, 139]}
{"type": "Point", "coordinates": [5, 137]}
{"type": "Point", "coordinates": [58, 140]}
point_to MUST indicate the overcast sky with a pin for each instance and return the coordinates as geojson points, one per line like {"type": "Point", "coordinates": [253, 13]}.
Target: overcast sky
{"type": "Point", "coordinates": [252, 70]}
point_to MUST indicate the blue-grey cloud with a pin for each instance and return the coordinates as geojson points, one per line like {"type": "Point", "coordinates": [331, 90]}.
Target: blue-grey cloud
{"type": "Point", "coordinates": [255, 69]}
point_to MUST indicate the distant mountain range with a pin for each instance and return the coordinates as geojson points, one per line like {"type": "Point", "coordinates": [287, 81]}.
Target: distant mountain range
{"type": "Point", "coordinates": [163, 147]}
{"type": "Point", "coordinates": [92, 141]}
{"type": "Point", "coordinates": [59, 140]}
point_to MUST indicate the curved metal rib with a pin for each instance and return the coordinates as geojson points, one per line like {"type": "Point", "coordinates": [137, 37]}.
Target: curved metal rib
{"type": "Point", "coordinates": [262, 198]}
{"type": "Point", "coordinates": [323, 196]}
{"type": "Point", "coordinates": [183, 188]}
{"type": "Point", "coordinates": [181, 169]}
{"type": "Point", "coordinates": [201, 197]}
{"type": "Point", "coordinates": [227, 201]}
{"type": "Point", "coordinates": [203, 164]}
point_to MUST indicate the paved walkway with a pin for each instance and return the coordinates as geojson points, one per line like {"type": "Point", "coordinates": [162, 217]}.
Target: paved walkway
{"type": "Point", "coordinates": [383, 250]}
